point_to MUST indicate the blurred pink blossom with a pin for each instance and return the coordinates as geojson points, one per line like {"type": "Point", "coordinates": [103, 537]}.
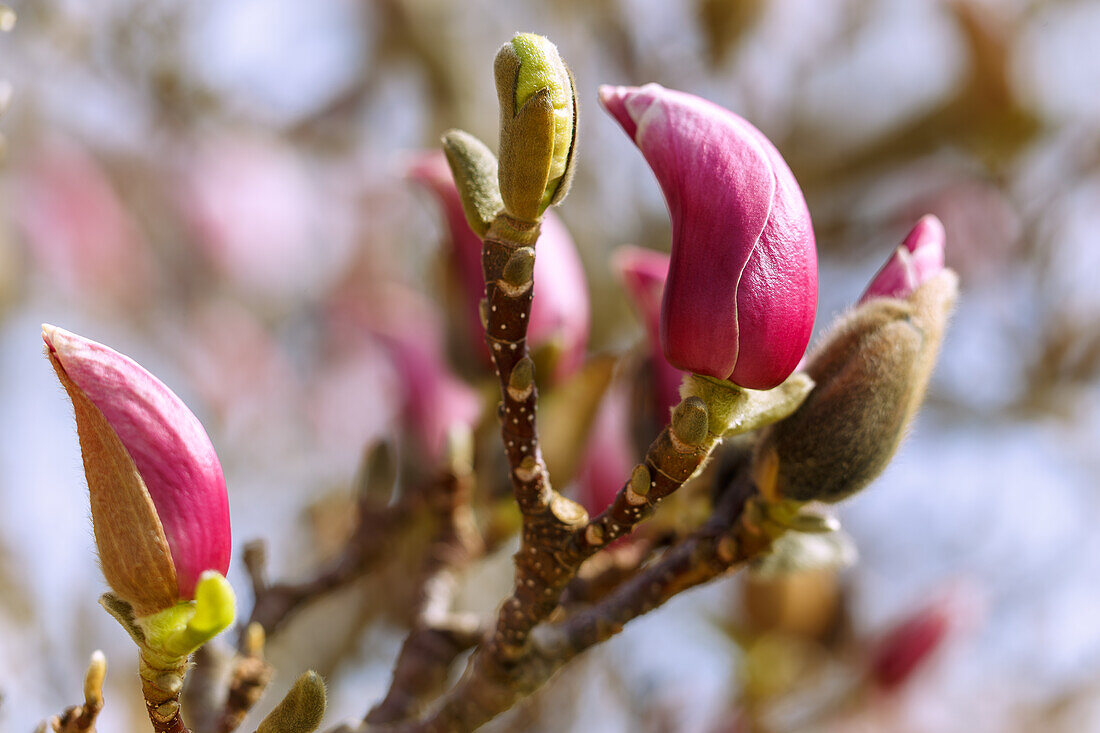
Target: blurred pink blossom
{"type": "Point", "coordinates": [258, 213]}
{"type": "Point", "coordinates": [559, 311]}
{"type": "Point", "coordinates": [643, 272]}
{"type": "Point", "coordinates": [433, 400]}
{"type": "Point", "coordinates": [609, 455]}
{"type": "Point", "coordinates": [77, 229]}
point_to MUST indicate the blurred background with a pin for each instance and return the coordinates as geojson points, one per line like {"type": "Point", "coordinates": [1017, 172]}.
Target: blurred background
{"type": "Point", "coordinates": [205, 186]}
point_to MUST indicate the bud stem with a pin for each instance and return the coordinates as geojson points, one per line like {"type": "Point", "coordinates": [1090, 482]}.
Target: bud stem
{"type": "Point", "coordinates": [161, 685]}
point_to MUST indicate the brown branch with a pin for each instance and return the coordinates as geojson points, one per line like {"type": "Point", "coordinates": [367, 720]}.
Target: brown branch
{"type": "Point", "coordinates": [498, 676]}
{"type": "Point", "coordinates": [378, 526]}
{"type": "Point", "coordinates": [161, 686]}
{"type": "Point", "coordinates": [727, 541]}
{"type": "Point", "coordinates": [423, 666]}
{"type": "Point", "coordinates": [549, 519]}
{"type": "Point", "coordinates": [438, 637]}
{"type": "Point", "coordinates": [251, 675]}
{"type": "Point", "coordinates": [605, 571]}
{"type": "Point", "coordinates": [557, 536]}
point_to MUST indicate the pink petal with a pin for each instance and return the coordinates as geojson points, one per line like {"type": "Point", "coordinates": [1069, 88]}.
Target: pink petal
{"type": "Point", "coordinates": [168, 445]}
{"type": "Point", "coordinates": [916, 260]}
{"type": "Point", "coordinates": [741, 293]}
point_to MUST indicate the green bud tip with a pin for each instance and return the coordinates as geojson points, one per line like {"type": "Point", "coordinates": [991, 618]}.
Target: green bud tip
{"type": "Point", "coordinates": [541, 67]}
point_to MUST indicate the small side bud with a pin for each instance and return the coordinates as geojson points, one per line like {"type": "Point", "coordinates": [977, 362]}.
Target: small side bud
{"type": "Point", "coordinates": [474, 168]}
{"type": "Point", "coordinates": [518, 271]}
{"type": "Point", "coordinates": [567, 511]}
{"type": "Point", "coordinates": [640, 480]}
{"type": "Point", "coordinates": [483, 312]}
{"type": "Point", "coordinates": [254, 640]}
{"type": "Point", "coordinates": [522, 379]}
{"type": "Point", "coordinates": [690, 422]}
{"type": "Point", "coordinates": [527, 469]}
{"type": "Point", "coordinates": [593, 535]}
{"type": "Point", "coordinates": [301, 710]}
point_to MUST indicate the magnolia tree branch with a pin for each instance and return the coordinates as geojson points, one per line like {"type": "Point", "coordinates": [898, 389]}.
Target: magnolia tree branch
{"type": "Point", "coordinates": [557, 535]}
{"type": "Point", "coordinates": [438, 636]}
{"type": "Point", "coordinates": [500, 674]}
{"type": "Point", "coordinates": [727, 541]}
{"type": "Point", "coordinates": [378, 525]}
{"type": "Point", "coordinates": [250, 677]}
{"type": "Point", "coordinates": [549, 519]}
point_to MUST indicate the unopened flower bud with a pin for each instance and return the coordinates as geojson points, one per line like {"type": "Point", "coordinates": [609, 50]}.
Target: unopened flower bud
{"type": "Point", "coordinates": [537, 125]}
{"type": "Point", "coordinates": [913, 641]}
{"type": "Point", "coordinates": [158, 498]}
{"type": "Point", "coordinates": [871, 372]}
{"type": "Point", "coordinates": [741, 293]}
{"type": "Point", "coordinates": [301, 710]}
{"type": "Point", "coordinates": [918, 258]}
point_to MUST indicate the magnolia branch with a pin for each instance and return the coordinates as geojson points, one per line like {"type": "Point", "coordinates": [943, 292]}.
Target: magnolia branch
{"type": "Point", "coordinates": [727, 541]}
{"type": "Point", "coordinates": [378, 525]}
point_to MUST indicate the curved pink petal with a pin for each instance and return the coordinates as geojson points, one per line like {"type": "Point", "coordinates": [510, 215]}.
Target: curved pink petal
{"type": "Point", "coordinates": [741, 294]}
{"type": "Point", "coordinates": [168, 445]}
{"type": "Point", "coordinates": [916, 260]}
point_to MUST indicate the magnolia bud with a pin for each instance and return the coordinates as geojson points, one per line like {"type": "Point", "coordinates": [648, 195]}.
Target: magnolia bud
{"type": "Point", "coordinates": [537, 125]}
{"type": "Point", "coordinates": [871, 372]}
{"type": "Point", "coordinates": [301, 710]}
{"type": "Point", "coordinates": [158, 498]}
{"type": "Point", "coordinates": [741, 293]}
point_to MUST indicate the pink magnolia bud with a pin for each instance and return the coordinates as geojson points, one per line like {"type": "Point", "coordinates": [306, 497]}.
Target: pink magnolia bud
{"type": "Point", "coordinates": [609, 456]}
{"type": "Point", "coordinates": [952, 611]}
{"type": "Point", "coordinates": [464, 250]}
{"type": "Point", "coordinates": [559, 311]}
{"type": "Point", "coordinates": [432, 399]}
{"type": "Point", "coordinates": [742, 286]}
{"type": "Point", "coordinates": [917, 259]}
{"type": "Point", "coordinates": [435, 400]}
{"type": "Point", "coordinates": [159, 505]}
{"type": "Point", "coordinates": [643, 272]}
{"type": "Point", "coordinates": [907, 646]}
